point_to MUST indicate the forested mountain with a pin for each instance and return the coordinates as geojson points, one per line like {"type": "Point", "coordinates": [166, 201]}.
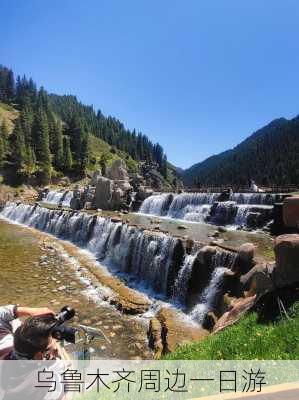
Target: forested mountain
{"type": "Point", "coordinates": [53, 134]}
{"type": "Point", "coordinates": [268, 156]}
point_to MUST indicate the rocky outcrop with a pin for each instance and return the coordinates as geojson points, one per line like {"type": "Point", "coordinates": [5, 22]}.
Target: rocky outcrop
{"type": "Point", "coordinates": [103, 193]}
{"type": "Point", "coordinates": [168, 330]}
{"type": "Point", "coordinates": [238, 308]}
{"type": "Point", "coordinates": [291, 212]}
{"type": "Point", "coordinates": [118, 171]}
{"type": "Point", "coordinates": [266, 277]}
{"type": "Point", "coordinates": [245, 258]}
{"type": "Point", "coordinates": [286, 271]}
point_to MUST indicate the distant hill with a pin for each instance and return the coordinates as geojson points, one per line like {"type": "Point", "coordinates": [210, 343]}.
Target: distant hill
{"type": "Point", "coordinates": [269, 156]}
{"type": "Point", "coordinates": [45, 136]}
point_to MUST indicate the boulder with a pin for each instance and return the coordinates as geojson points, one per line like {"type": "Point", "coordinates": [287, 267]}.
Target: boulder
{"type": "Point", "coordinates": [291, 212]}
{"type": "Point", "coordinates": [258, 281]}
{"type": "Point", "coordinates": [245, 258]}
{"type": "Point", "coordinates": [238, 309]}
{"type": "Point", "coordinates": [118, 171]}
{"type": "Point", "coordinates": [117, 198]}
{"type": "Point", "coordinates": [75, 203]}
{"type": "Point", "coordinates": [286, 250]}
{"type": "Point", "coordinates": [96, 175]}
{"type": "Point", "coordinates": [103, 193]}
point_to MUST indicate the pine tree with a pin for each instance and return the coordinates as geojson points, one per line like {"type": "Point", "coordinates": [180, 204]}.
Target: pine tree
{"type": "Point", "coordinates": [30, 164]}
{"type": "Point", "coordinates": [57, 146]}
{"type": "Point", "coordinates": [42, 149]}
{"type": "Point", "coordinates": [67, 154]}
{"type": "Point", "coordinates": [18, 148]}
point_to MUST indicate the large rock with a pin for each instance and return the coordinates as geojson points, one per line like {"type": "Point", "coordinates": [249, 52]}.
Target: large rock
{"type": "Point", "coordinates": [95, 177]}
{"type": "Point", "coordinates": [172, 332]}
{"type": "Point", "coordinates": [117, 199]}
{"type": "Point", "coordinates": [245, 258]}
{"type": "Point", "coordinates": [291, 212]}
{"type": "Point", "coordinates": [287, 260]}
{"type": "Point", "coordinates": [103, 193]}
{"type": "Point", "coordinates": [118, 171]}
{"type": "Point", "coordinates": [258, 281]}
{"type": "Point", "coordinates": [237, 310]}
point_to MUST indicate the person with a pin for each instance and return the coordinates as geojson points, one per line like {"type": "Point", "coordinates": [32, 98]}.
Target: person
{"type": "Point", "coordinates": [25, 342]}
{"type": "Point", "coordinates": [32, 339]}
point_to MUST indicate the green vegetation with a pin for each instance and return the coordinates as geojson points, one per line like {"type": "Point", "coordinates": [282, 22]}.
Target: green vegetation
{"type": "Point", "coordinates": [57, 135]}
{"type": "Point", "coordinates": [247, 340]}
{"type": "Point", "coordinates": [269, 156]}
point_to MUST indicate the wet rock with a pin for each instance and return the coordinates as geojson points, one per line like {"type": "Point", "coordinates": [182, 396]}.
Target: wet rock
{"type": "Point", "coordinates": [209, 321]}
{"type": "Point", "coordinates": [245, 258]}
{"type": "Point", "coordinates": [222, 229]}
{"type": "Point", "coordinates": [155, 337]}
{"type": "Point", "coordinates": [168, 330]}
{"type": "Point", "coordinates": [61, 288]}
{"type": "Point", "coordinates": [182, 227]}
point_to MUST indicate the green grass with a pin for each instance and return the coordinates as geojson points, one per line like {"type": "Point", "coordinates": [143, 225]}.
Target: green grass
{"type": "Point", "coordinates": [247, 340]}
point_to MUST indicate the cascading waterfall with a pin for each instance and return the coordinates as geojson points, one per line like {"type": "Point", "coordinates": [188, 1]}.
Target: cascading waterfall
{"type": "Point", "coordinates": [208, 296]}
{"type": "Point", "coordinates": [206, 207]}
{"type": "Point", "coordinates": [222, 262]}
{"type": "Point", "coordinates": [182, 280]}
{"type": "Point", "coordinates": [53, 197]}
{"type": "Point", "coordinates": [59, 198]}
{"type": "Point", "coordinates": [147, 259]}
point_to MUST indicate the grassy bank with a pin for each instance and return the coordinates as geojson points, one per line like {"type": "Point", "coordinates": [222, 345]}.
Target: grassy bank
{"type": "Point", "coordinates": [249, 339]}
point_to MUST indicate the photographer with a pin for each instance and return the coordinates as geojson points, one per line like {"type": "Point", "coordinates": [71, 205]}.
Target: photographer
{"type": "Point", "coordinates": [32, 339]}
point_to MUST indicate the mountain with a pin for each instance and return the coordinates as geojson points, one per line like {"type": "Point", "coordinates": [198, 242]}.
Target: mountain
{"type": "Point", "coordinates": [268, 156]}
{"type": "Point", "coordinates": [45, 136]}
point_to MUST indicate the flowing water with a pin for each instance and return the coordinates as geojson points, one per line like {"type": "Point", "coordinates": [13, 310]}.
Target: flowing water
{"type": "Point", "coordinates": [205, 207]}
{"type": "Point", "coordinates": [152, 262]}
{"type": "Point", "coordinates": [34, 273]}
{"type": "Point", "coordinates": [58, 198]}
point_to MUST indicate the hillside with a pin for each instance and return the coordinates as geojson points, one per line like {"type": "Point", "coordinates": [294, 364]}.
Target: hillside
{"type": "Point", "coordinates": [45, 136]}
{"type": "Point", "coordinates": [269, 156]}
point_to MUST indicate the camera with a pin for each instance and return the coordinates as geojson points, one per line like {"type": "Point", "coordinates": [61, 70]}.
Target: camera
{"type": "Point", "coordinates": [61, 332]}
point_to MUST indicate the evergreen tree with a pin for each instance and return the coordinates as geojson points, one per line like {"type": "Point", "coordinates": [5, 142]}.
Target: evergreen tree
{"type": "Point", "coordinates": [42, 149]}
{"type": "Point", "coordinates": [18, 148]}
{"type": "Point", "coordinates": [57, 146]}
{"type": "Point", "coordinates": [67, 154]}
{"type": "Point", "coordinates": [30, 163]}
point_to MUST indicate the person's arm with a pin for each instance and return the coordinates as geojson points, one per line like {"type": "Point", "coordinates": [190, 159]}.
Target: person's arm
{"type": "Point", "coordinates": [31, 312]}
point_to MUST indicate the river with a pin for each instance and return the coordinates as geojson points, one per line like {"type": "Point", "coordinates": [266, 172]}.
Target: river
{"type": "Point", "coordinates": [36, 271]}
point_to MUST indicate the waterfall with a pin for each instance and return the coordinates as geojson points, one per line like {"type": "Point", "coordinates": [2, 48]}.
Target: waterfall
{"type": "Point", "coordinates": [241, 216]}
{"type": "Point", "coordinates": [149, 260]}
{"type": "Point", "coordinates": [156, 204]}
{"type": "Point", "coordinates": [53, 197]}
{"type": "Point", "coordinates": [206, 207]}
{"type": "Point", "coordinates": [66, 202]}
{"type": "Point", "coordinates": [59, 198]}
{"type": "Point", "coordinates": [182, 280]}
{"type": "Point", "coordinates": [222, 263]}
{"type": "Point", "coordinates": [209, 295]}
{"type": "Point", "coordinates": [126, 249]}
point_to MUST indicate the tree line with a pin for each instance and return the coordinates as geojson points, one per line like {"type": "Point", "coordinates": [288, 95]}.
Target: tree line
{"type": "Point", "coordinates": [52, 133]}
{"type": "Point", "coordinates": [269, 157]}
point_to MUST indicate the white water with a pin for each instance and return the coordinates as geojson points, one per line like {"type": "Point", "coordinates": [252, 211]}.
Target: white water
{"type": "Point", "coordinates": [146, 261]}
{"type": "Point", "coordinates": [202, 207]}
{"type": "Point", "coordinates": [208, 296]}
{"type": "Point", "coordinates": [182, 280]}
{"type": "Point", "coordinates": [59, 198]}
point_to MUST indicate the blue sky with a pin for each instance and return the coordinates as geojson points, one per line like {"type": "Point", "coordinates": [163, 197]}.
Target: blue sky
{"type": "Point", "coordinates": [196, 75]}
